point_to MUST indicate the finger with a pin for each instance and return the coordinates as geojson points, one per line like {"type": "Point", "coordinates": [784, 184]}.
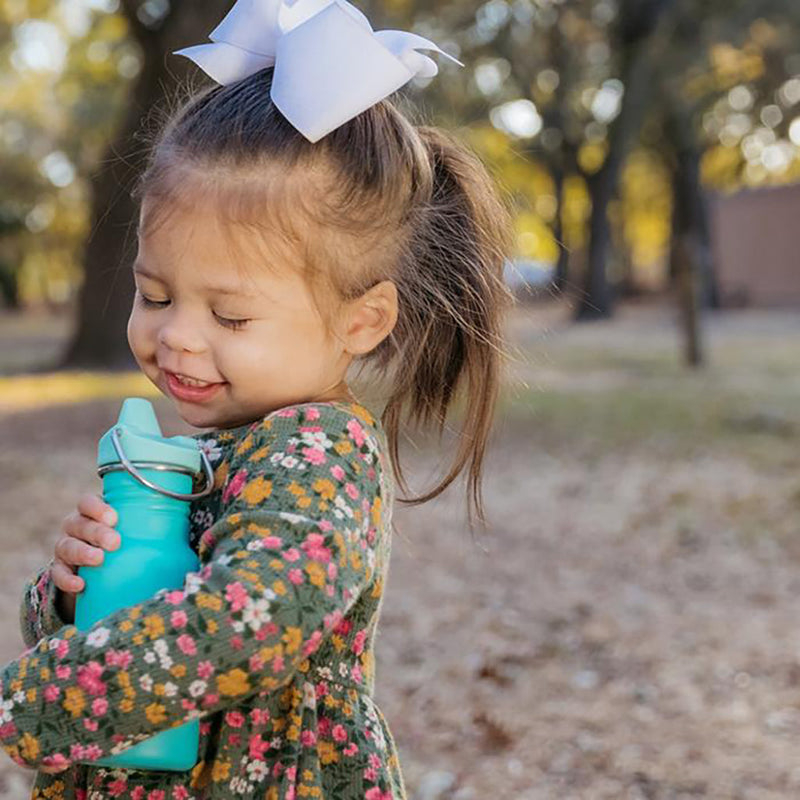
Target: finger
{"type": "Point", "coordinates": [93, 505]}
{"type": "Point", "coordinates": [75, 552]}
{"type": "Point", "coordinates": [65, 579]}
{"type": "Point", "coordinates": [89, 530]}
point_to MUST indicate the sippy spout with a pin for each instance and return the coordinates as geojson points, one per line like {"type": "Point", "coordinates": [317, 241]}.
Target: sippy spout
{"type": "Point", "coordinates": [136, 412]}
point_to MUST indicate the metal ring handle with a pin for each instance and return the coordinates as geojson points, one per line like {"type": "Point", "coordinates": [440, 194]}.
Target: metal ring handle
{"type": "Point", "coordinates": [207, 468]}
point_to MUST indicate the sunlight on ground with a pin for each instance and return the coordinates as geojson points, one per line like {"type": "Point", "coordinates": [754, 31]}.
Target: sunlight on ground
{"type": "Point", "coordinates": [26, 392]}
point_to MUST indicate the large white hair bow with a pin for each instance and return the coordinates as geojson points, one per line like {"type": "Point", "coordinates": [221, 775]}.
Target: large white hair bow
{"type": "Point", "coordinates": [329, 63]}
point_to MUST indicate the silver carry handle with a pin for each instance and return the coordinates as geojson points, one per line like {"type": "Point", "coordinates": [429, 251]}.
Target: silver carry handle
{"type": "Point", "coordinates": [128, 465]}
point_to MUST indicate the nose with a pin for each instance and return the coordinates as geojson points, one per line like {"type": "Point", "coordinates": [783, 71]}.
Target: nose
{"type": "Point", "coordinates": [181, 332]}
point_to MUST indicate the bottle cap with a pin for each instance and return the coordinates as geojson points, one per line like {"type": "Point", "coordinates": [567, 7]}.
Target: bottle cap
{"type": "Point", "coordinates": [140, 436]}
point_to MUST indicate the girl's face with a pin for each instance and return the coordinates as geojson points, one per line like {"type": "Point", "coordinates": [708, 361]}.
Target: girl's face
{"type": "Point", "coordinates": [254, 334]}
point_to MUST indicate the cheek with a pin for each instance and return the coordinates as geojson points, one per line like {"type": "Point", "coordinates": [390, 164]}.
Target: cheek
{"type": "Point", "coordinates": [138, 338]}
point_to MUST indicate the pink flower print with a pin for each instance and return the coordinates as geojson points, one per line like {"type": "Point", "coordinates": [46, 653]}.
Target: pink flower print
{"type": "Point", "coordinates": [356, 431]}
{"type": "Point", "coordinates": [118, 658]}
{"type": "Point", "coordinates": [295, 576]}
{"type": "Point", "coordinates": [237, 643]}
{"type": "Point", "coordinates": [156, 794]}
{"type": "Point", "coordinates": [322, 689]}
{"type": "Point", "coordinates": [235, 719]}
{"type": "Point", "coordinates": [90, 724]}
{"type": "Point", "coordinates": [312, 413]}
{"type": "Point", "coordinates": [337, 472]}
{"type": "Point", "coordinates": [99, 706]}
{"type": "Point", "coordinates": [236, 595]}
{"type": "Point", "coordinates": [137, 793]}
{"type": "Point", "coordinates": [257, 747]}
{"type": "Point", "coordinates": [80, 794]}
{"type": "Point", "coordinates": [56, 760]}
{"type": "Point", "coordinates": [173, 598]}
{"type": "Point", "coordinates": [259, 716]}
{"type": "Point", "coordinates": [333, 571]}
{"type": "Point", "coordinates": [351, 749]}
{"type": "Point", "coordinates": [205, 669]}
{"type": "Point", "coordinates": [325, 525]}
{"type": "Point", "coordinates": [51, 692]}
{"type": "Point", "coordinates": [371, 774]}
{"type": "Point", "coordinates": [308, 738]}
{"type": "Point", "coordinates": [89, 678]}
{"type": "Point", "coordinates": [355, 672]}
{"type": "Point", "coordinates": [313, 643]}
{"type": "Point", "coordinates": [314, 455]}
{"type": "Point", "coordinates": [292, 554]}
{"type": "Point", "coordinates": [343, 628]}
{"type": "Point", "coordinates": [210, 699]}
{"type": "Point", "coordinates": [63, 672]}
{"type": "Point", "coordinates": [324, 727]}
{"type": "Point", "coordinates": [256, 663]}
{"type": "Point", "coordinates": [235, 739]}
{"type": "Point", "coordinates": [178, 619]}
{"type": "Point", "coordinates": [272, 541]}
{"type": "Point", "coordinates": [116, 788]}
{"type": "Point", "coordinates": [315, 548]}
{"type": "Point", "coordinates": [351, 491]}
{"type": "Point", "coordinates": [62, 649]}
{"type": "Point", "coordinates": [235, 485]}
{"type": "Point", "coordinates": [180, 793]}
{"type": "Point", "coordinates": [277, 664]}
{"type": "Point", "coordinates": [286, 412]}
{"type": "Point", "coordinates": [374, 760]}
{"type": "Point", "coordinates": [187, 644]}
{"type": "Point", "coordinates": [375, 793]}
{"type": "Point", "coordinates": [358, 642]}
{"type": "Point", "coordinates": [340, 733]}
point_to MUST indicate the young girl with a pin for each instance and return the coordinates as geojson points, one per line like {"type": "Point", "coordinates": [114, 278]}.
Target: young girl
{"type": "Point", "coordinates": [268, 264]}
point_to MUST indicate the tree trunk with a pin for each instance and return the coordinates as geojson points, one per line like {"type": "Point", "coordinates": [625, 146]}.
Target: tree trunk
{"type": "Point", "coordinates": [642, 41]}
{"type": "Point", "coordinates": [104, 303]}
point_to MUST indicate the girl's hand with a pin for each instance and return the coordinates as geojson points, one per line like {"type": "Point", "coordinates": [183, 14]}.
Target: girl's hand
{"type": "Point", "coordinates": [87, 532]}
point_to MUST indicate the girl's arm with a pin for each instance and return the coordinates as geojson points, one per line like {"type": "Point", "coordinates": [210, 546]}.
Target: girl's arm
{"type": "Point", "coordinates": [39, 612]}
{"type": "Point", "coordinates": [295, 547]}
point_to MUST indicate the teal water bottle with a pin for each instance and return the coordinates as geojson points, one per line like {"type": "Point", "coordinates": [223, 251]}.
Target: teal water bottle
{"type": "Point", "coordinates": [147, 479]}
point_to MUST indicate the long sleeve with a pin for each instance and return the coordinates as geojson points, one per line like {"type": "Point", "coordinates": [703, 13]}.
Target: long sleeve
{"type": "Point", "coordinates": [38, 614]}
{"type": "Point", "coordinates": [291, 551]}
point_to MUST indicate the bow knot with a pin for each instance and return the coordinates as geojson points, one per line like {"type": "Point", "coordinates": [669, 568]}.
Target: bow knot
{"type": "Point", "coordinates": [329, 65]}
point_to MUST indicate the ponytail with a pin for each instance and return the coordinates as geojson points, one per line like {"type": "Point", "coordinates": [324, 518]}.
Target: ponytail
{"type": "Point", "coordinates": [453, 298]}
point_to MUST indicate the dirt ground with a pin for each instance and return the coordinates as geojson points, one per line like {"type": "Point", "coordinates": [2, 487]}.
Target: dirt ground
{"type": "Point", "coordinates": [626, 628]}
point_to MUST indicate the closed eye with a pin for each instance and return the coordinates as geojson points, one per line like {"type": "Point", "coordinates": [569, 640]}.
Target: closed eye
{"type": "Point", "coordinates": [232, 324]}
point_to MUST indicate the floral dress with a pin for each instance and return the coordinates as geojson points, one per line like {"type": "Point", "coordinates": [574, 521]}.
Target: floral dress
{"type": "Point", "coordinates": [270, 643]}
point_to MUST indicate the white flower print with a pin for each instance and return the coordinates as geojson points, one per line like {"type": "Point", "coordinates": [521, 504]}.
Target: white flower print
{"type": "Point", "coordinates": [192, 583]}
{"type": "Point", "coordinates": [170, 689]}
{"type": "Point", "coordinates": [257, 770]}
{"type": "Point", "coordinates": [256, 613]}
{"type": "Point", "coordinates": [318, 439]}
{"type": "Point", "coordinates": [197, 688]}
{"type": "Point", "coordinates": [293, 517]}
{"type": "Point", "coordinates": [212, 450]}
{"type": "Point", "coordinates": [309, 695]}
{"type": "Point", "coordinates": [146, 682]}
{"type": "Point", "coordinates": [98, 637]}
{"type": "Point", "coordinates": [150, 657]}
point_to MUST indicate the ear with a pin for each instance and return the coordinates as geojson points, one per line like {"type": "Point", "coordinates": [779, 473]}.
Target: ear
{"type": "Point", "coordinates": [370, 318]}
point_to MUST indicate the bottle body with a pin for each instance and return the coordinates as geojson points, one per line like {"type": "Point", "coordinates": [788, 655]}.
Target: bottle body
{"type": "Point", "coordinates": [154, 554]}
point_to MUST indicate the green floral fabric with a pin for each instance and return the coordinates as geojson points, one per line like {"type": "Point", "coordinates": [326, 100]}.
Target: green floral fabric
{"type": "Point", "coordinates": [270, 643]}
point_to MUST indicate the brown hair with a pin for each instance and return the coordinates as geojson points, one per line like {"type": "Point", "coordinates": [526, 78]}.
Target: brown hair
{"type": "Point", "coordinates": [389, 201]}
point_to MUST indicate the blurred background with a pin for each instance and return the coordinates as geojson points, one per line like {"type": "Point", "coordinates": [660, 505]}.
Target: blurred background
{"type": "Point", "coordinates": [626, 627]}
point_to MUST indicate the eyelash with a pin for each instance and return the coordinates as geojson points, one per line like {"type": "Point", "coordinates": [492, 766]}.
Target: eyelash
{"type": "Point", "coordinates": [231, 324]}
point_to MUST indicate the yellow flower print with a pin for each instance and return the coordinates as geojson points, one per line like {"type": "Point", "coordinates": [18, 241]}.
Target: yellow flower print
{"type": "Point", "coordinates": [135, 612]}
{"type": "Point", "coordinates": [260, 530]}
{"type": "Point", "coordinates": [178, 670]}
{"type": "Point", "coordinates": [355, 560]}
{"type": "Point", "coordinates": [325, 488]}
{"type": "Point", "coordinates": [272, 793]}
{"type": "Point", "coordinates": [154, 626]}
{"type": "Point", "coordinates": [155, 712]}
{"type": "Point", "coordinates": [29, 747]}
{"type": "Point", "coordinates": [211, 626]}
{"type": "Point", "coordinates": [315, 573]}
{"type": "Point", "coordinates": [125, 625]}
{"type": "Point", "coordinates": [206, 600]}
{"type": "Point", "coordinates": [245, 444]}
{"type": "Point", "coordinates": [233, 683]}
{"type": "Point", "coordinates": [138, 639]}
{"type": "Point", "coordinates": [276, 564]}
{"type": "Point", "coordinates": [377, 587]}
{"type": "Point", "coordinates": [220, 475]}
{"type": "Point", "coordinates": [343, 447]}
{"type": "Point", "coordinates": [376, 512]}
{"type": "Point", "coordinates": [278, 587]}
{"type": "Point", "coordinates": [256, 490]}
{"type": "Point", "coordinates": [293, 639]}
{"type": "Point", "coordinates": [327, 752]}
{"type": "Point", "coordinates": [337, 642]}
{"type": "Point", "coordinates": [126, 705]}
{"type": "Point", "coordinates": [74, 700]}
{"type": "Point", "coordinates": [293, 733]}
{"type": "Point", "coordinates": [262, 452]}
{"type": "Point", "coordinates": [220, 771]}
